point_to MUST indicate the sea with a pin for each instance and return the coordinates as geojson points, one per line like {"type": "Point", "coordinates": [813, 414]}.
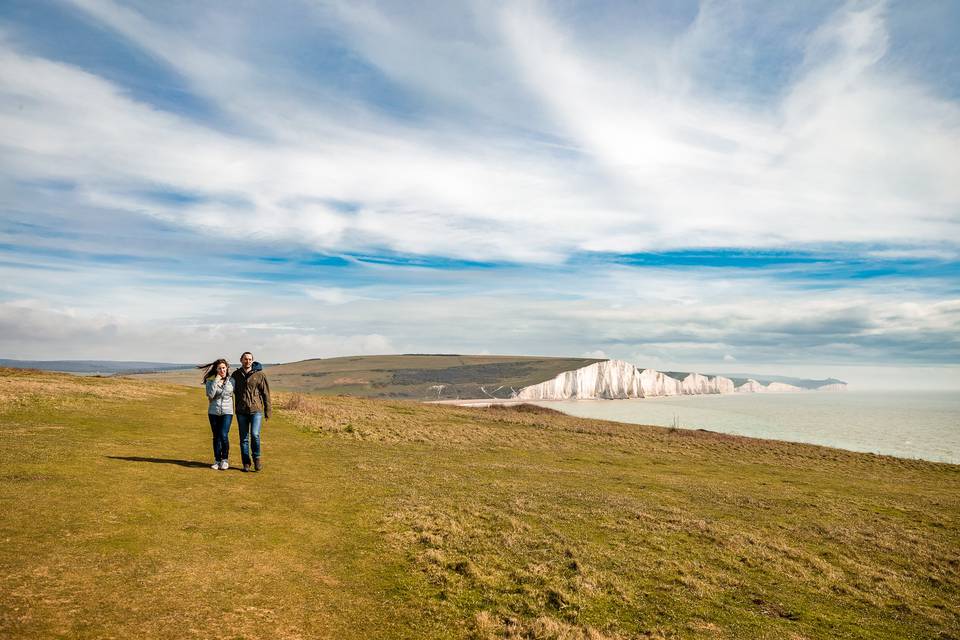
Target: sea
{"type": "Point", "coordinates": [914, 424]}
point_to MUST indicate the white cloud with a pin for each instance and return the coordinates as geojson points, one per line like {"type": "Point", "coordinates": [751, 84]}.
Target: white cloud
{"type": "Point", "coordinates": [709, 172]}
{"type": "Point", "coordinates": [662, 162]}
{"type": "Point", "coordinates": [330, 295]}
{"type": "Point", "coordinates": [32, 330]}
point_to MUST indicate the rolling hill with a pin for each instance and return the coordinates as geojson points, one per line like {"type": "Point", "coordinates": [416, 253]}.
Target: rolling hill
{"type": "Point", "coordinates": [413, 376]}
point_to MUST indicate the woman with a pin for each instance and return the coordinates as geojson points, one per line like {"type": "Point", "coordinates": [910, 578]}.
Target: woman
{"type": "Point", "coordinates": [219, 387]}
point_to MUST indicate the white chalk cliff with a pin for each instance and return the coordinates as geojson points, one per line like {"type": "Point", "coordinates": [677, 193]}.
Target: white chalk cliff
{"type": "Point", "coordinates": [698, 384]}
{"type": "Point", "coordinates": [836, 386]}
{"type": "Point", "coordinates": [751, 386]}
{"type": "Point", "coordinates": [618, 379]}
{"type": "Point", "coordinates": [783, 387]}
{"type": "Point", "coordinates": [609, 379]}
{"type": "Point", "coordinates": [655, 383]}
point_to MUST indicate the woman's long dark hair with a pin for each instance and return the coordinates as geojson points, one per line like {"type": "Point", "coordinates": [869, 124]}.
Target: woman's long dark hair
{"type": "Point", "coordinates": [211, 368]}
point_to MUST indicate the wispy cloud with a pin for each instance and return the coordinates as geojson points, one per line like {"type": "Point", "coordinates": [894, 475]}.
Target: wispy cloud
{"type": "Point", "coordinates": [654, 161]}
{"type": "Point", "coordinates": [736, 180]}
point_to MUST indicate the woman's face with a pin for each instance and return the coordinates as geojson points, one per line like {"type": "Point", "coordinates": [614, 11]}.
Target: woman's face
{"type": "Point", "coordinates": [221, 370]}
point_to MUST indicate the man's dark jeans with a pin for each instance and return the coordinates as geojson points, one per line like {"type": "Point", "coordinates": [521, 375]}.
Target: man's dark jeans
{"type": "Point", "coordinates": [220, 426]}
{"type": "Point", "coordinates": [249, 424]}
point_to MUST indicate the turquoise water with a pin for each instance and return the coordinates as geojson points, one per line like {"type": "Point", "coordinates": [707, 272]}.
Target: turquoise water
{"type": "Point", "coordinates": [916, 424]}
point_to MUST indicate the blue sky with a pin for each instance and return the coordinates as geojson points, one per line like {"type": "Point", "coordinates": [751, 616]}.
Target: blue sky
{"type": "Point", "coordinates": [712, 186]}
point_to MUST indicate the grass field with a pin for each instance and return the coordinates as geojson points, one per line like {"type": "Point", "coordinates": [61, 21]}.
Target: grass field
{"type": "Point", "coordinates": [392, 519]}
{"type": "Point", "coordinates": [417, 377]}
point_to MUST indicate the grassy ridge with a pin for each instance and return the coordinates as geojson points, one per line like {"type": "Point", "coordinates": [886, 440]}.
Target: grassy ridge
{"type": "Point", "coordinates": [393, 519]}
{"type": "Point", "coordinates": [410, 376]}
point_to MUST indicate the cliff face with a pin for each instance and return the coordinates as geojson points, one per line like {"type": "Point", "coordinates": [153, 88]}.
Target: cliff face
{"type": "Point", "coordinates": [617, 379]}
{"type": "Point", "coordinates": [751, 386]}
{"type": "Point", "coordinates": [724, 385]}
{"type": "Point", "coordinates": [697, 384]}
{"type": "Point", "coordinates": [836, 386]}
{"type": "Point", "coordinates": [782, 387]}
{"type": "Point", "coordinates": [655, 383]}
{"type": "Point", "coordinates": [610, 379]}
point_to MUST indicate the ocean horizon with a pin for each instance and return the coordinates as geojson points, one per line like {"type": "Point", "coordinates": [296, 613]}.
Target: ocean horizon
{"type": "Point", "coordinates": [915, 424]}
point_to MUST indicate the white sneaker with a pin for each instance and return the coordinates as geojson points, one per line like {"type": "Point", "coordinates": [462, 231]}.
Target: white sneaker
{"type": "Point", "coordinates": [224, 465]}
{"type": "Point", "coordinates": [215, 465]}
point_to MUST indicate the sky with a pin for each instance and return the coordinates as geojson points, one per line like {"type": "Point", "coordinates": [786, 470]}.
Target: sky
{"type": "Point", "coordinates": [730, 186]}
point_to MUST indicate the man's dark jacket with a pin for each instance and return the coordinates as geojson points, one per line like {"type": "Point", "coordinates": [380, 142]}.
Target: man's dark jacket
{"type": "Point", "coordinates": [251, 391]}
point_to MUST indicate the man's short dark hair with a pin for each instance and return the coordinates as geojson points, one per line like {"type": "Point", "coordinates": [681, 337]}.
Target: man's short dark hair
{"type": "Point", "coordinates": [245, 353]}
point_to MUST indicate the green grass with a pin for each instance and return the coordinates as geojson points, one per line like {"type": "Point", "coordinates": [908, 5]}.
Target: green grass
{"type": "Point", "coordinates": [395, 519]}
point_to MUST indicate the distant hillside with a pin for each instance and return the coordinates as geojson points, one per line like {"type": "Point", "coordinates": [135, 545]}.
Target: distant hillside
{"type": "Point", "coordinates": [415, 376]}
{"type": "Point", "coordinates": [431, 376]}
{"type": "Point", "coordinates": [105, 367]}
{"type": "Point", "coordinates": [741, 378]}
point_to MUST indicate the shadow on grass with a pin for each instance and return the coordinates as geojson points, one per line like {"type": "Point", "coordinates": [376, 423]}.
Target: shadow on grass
{"type": "Point", "coordinates": [180, 463]}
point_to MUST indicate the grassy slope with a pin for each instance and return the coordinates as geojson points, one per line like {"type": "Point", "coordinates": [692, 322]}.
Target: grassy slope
{"type": "Point", "coordinates": [409, 376]}
{"type": "Point", "coordinates": [393, 519]}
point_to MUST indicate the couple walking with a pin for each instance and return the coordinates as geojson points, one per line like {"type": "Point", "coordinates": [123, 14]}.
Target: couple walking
{"type": "Point", "coordinates": [248, 386]}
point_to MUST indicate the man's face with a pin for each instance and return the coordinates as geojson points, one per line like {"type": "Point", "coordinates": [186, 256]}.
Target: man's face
{"type": "Point", "coordinates": [246, 360]}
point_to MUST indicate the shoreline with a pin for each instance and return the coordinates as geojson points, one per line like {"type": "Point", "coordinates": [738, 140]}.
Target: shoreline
{"type": "Point", "coordinates": [480, 402]}
{"type": "Point", "coordinates": [906, 426]}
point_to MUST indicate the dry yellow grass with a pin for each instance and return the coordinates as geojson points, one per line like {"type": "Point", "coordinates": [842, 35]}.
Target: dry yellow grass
{"type": "Point", "coordinates": [395, 519]}
{"type": "Point", "coordinates": [26, 387]}
{"type": "Point", "coordinates": [721, 515]}
{"type": "Point", "coordinates": [488, 626]}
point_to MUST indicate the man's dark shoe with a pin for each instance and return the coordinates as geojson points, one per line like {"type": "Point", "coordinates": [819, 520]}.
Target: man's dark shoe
{"type": "Point", "coordinates": [246, 466]}
{"type": "Point", "coordinates": [256, 464]}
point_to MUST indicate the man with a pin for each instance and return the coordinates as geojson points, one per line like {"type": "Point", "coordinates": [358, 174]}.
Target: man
{"type": "Point", "coordinates": [252, 397]}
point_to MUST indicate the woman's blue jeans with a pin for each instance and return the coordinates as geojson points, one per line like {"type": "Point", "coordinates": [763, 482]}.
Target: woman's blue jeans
{"type": "Point", "coordinates": [249, 424]}
{"type": "Point", "coordinates": [220, 426]}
